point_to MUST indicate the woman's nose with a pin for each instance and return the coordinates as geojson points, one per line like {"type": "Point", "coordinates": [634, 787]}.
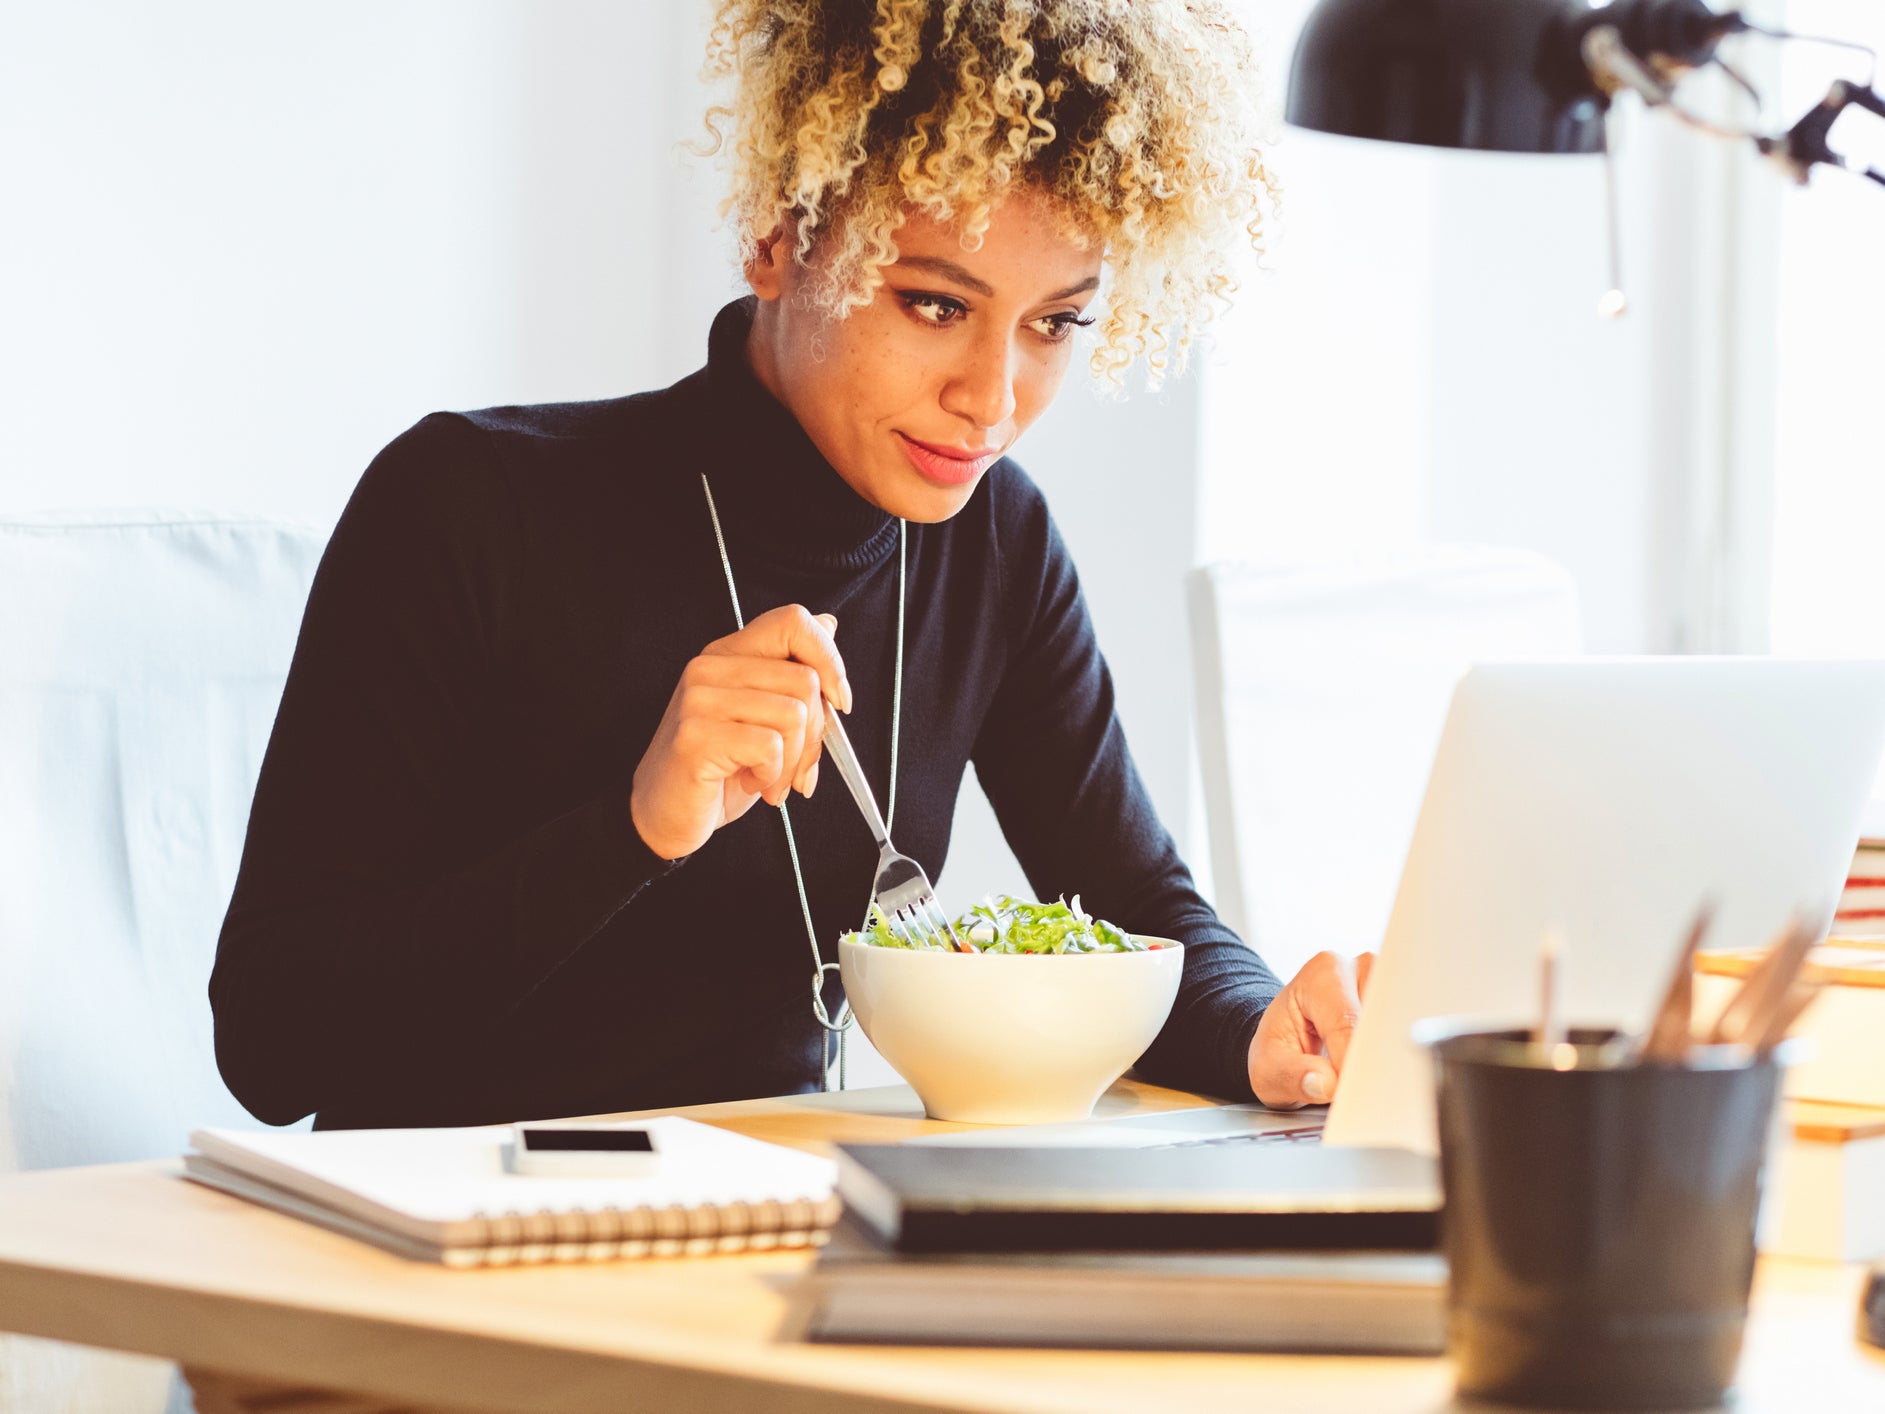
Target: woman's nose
{"type": "Point", "coordinates": [982, 388]}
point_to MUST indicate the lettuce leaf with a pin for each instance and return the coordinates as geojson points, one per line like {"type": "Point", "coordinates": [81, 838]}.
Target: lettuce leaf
{"type": "Point", "coordinates": [1009, 925]}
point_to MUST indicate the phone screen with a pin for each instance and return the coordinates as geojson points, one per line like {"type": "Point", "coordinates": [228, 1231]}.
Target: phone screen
{"type": "Point", "coordinates": [589, 1141]}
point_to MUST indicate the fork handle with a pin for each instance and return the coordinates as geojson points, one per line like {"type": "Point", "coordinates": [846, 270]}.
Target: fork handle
{"type": "Point", "coordinates": [839, 745]}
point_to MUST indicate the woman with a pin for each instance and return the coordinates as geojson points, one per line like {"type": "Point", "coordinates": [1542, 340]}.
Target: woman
{"type": "Point", "coordinates": [505, 857]}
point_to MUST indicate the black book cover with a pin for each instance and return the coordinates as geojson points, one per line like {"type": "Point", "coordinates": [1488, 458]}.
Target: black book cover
{"type": "Point", "coordinates": [922, 1198]}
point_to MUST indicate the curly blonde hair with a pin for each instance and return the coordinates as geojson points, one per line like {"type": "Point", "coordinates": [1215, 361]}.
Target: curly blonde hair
{"type": "Point", "coordinates": [1134, 116]}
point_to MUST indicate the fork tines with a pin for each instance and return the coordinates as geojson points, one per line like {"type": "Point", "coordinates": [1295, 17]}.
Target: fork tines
{"type": "Point", "coordinates": [925, 919]}
{"type": "Point", "coordinates": [919, 921]}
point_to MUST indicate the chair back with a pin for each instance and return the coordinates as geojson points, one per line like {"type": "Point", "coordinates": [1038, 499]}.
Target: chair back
{"type": "Point", "coordinates": [141, 662]}
{"type": "Point", "coordinates": [1321, 692]}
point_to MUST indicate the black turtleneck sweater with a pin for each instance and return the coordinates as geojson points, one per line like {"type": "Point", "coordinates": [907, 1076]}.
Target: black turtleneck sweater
{"type": "Point", "coordinates": [444, 914]}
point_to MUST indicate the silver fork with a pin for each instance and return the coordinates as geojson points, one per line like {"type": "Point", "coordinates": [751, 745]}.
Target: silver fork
{"type": "Point", "coordinates": [902, 888]}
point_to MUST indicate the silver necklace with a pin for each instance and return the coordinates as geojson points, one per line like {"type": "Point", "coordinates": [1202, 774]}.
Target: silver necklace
{"type": "Point", "coordinates": [842, 1025]}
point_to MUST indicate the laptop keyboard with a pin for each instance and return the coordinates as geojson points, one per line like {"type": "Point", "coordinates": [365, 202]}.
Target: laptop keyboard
{"type": "Point", "coordinates": [1307, 1134]}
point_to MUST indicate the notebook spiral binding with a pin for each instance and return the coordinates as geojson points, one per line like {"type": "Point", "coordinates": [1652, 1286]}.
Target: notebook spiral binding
{"type": "Point", "coordinates": [515, 1236]}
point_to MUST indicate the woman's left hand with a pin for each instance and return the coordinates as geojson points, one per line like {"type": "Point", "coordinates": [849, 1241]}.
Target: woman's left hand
{"type": "Point", "coordinates": [1317, 1010]}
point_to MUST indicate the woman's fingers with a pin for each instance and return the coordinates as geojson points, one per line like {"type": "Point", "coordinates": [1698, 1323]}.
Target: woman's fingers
{"type": "Point", "coordinates": [738, 751]}
{"type": "Point", "coordinates": [792, 632]}
{"type": "Point", "coordinates": [796, 723]}
{"type": "Point", "coordinates": [1318, 1009]}
{"type": "Point", "coordinates": [746, 720]}
{"type": "Point", "coordinates": [1332, 1002]}
{"type": "Point", "coordinates": [788, 681]}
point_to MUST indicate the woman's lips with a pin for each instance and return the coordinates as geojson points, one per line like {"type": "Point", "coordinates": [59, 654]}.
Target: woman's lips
{"type": "Point", "coordinates": [944, 466]}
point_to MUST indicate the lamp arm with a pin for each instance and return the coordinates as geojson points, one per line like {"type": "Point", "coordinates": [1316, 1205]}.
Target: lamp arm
{"type": "Point", "coordinates": [1790, 36]}
{"type": "Point", "coordinates": [1805, 144]}
{"type": "Point", "coordinates": [1638, 44]}
{"type": "Point", "coordinates": [1614, 66]}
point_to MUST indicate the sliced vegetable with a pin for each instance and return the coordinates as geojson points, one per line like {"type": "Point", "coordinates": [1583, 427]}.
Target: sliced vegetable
{"type": "Point", "coordinates": [1009, 925]}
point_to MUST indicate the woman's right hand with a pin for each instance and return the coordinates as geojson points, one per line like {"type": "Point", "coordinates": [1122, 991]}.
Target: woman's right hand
{"type": "Point", "coordinates": [746, 722]}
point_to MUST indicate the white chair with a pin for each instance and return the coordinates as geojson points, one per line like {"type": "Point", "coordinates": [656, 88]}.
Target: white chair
{"type": "Point", "coordinates": [141, 661]}
{"type": "Point", "coordinates": [1321, 692]}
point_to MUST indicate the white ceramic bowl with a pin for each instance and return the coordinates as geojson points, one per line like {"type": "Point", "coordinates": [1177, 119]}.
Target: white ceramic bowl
{"type": "Point", "coordinates": [995, 1038]}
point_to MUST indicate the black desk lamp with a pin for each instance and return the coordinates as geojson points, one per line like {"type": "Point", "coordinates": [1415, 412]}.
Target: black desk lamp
{"type": "Point", "coordinates": [1531, 75]}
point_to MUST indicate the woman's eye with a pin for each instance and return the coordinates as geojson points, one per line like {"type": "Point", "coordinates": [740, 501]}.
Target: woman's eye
{"type": "Point", "coordinates": [933, 309]}
{"type": "Point", "coordinates": [1055, 327]}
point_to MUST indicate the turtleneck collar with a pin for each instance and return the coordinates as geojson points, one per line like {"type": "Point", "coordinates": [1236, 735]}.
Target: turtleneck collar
{"type": "Point", "coordinates": [775, 492]}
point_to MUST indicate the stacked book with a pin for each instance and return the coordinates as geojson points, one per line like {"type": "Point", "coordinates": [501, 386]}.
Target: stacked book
{"type": "Point", "coordinates": [1253, 1247]}
{"type": "Point", "coordinates": [1862, 902]}
{"type": "Point", "coordinates": [1832, 1180]}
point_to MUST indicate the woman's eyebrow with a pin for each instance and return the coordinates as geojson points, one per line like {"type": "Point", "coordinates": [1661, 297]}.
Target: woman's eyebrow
{"type": "Point", "coordinates": [949, 270]}
{"type": "Point", "coordinates": [1092, 282]}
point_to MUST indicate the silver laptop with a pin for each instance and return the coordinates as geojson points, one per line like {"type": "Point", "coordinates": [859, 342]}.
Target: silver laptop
{"type": "Point", "coordinates": [1602, 798]}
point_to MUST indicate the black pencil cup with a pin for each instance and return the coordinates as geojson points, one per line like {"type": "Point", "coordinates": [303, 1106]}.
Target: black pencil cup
{"type": "Point", "coordinates": [1599, 1221]}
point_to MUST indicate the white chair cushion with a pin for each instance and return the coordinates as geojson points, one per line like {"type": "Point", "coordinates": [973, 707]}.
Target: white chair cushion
{"type": "Point", "coordinates": [141, 661]}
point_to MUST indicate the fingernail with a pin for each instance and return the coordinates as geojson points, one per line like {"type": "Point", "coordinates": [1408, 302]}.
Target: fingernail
{"type": "Point", "coordinates": [830, 621]}
{"type": "Point", "coordinates": [1315, 1087]}
{"type": "Point", "coordinates": [847, 696]}
{"type": "Point", "coordinates": [811, 780]}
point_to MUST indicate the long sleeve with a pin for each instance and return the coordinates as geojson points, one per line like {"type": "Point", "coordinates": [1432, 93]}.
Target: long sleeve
{"type": "Point", "coordinates": [382, 923]}
{"type": "Point", "coordinates": [1054, 763]}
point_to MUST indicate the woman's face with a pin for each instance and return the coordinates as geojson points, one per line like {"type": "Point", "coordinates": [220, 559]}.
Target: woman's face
{"type": "Point", "coordinates": [912, 397]}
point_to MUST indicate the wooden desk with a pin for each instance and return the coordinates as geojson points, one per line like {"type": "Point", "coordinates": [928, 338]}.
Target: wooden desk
{"type": "Point", "coordinates": [135, 1258]}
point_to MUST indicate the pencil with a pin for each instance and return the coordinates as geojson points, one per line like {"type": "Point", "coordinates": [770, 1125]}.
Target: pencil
{"type": "Point", "coordinates": [1550, 1032]}
{"type": "Point", "coordinates": [1670, 1034]}
{"type": "Point", "coordinates": [1765, 988]}
{"type": "Point", "coordinates": [1781, 1019]}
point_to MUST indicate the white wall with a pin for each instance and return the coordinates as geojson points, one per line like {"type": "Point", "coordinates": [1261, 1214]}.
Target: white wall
{"type": "Point", "coordinates": [1828, 446]}
{"type": "Point", "coordinates": [248, 245]}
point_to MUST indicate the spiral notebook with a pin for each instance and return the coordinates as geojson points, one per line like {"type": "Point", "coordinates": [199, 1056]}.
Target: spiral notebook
{"type": "Point", "coordinates": [445, 1195]}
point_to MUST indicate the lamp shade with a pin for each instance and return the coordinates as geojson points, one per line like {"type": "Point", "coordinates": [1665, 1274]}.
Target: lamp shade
{"type": "Point", "coordinates": [1496, 75]}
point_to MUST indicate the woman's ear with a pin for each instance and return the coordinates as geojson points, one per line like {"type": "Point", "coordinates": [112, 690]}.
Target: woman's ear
{"type": "Point", "coordinates": [765, 268]}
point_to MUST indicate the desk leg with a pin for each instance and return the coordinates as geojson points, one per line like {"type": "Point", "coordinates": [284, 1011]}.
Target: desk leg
{"type": "Point", "coordinates": [217, 1393]}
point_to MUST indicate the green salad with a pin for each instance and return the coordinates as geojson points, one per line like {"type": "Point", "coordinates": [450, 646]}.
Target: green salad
{"type": "Point", "coordinates": [1008, 925]}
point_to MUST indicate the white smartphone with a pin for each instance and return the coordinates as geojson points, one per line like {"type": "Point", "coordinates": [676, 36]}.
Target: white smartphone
{"type": "Point", "coordinates": [582, 1151]}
